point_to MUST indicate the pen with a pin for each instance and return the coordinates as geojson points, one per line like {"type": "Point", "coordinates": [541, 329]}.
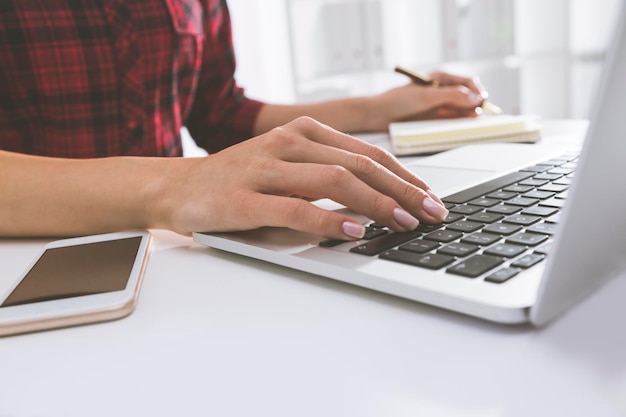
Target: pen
{"type": "Point", "coordinates": [425, 80]}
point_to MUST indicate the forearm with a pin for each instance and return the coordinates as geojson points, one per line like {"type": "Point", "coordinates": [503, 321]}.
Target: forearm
{"type": "Point", "coordinates": [61, 197]}
{"type": "Point", "coordinates": [455, 97]}
{"type": "Point", "coordinates": [358, 114]}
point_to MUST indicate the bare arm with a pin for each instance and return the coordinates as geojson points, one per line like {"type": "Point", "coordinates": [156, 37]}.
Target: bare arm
{"type": "Point", "coordinates": [455, 97]}
{"type": "Point", "coordinates": [44, 196]}
{"type": "Point", "coordinates": [256, 183]}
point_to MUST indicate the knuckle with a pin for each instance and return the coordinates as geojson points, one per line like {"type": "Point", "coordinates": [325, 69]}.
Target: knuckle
{"type": "Point", "coordinates": [409, 193]}
{"type": "Point", "coordinates": [280, 136]}
{"type": "Point", "coordinates": [300, 214]}
{"type": "Point", "coordinates": [294, 211]}
{"type": "Point", "coordinates": [335, 175]}
{"type": "Point", "coordinates": [382, 204]}
{"type": "Point", "coordinates": [306, 123]}
{"type": "Point", "coordinates": [365, 166]}
{"type": "Point", "coordinates": [378, 154]}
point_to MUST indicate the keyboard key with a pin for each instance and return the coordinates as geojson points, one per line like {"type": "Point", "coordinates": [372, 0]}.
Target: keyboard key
{"type": "Point", "coordinates": [563, 181]}
{"type": "Point", "coordinates": [484, 202]}
{"type": "Point", "coordinates": [516, 188]}
{"type": "Point", "coordinates": [522, 219]}
{"type": "Point", "coordinates": [502, 195]}
{"type": "Point", "coordinates": [487, 187]}
{"type": "Point", "coordinates": [420, 246]}
{"type": "Point", "coordinates": [543, 228]}
{"type": "Point", "coordinates": [502, 228]}
{"type": "Point", "coordinates": [453, 217]}
{"type": "Point", "coordinates": [561, 170]}
{"type": "Point", "coordinates": [425, 227]}
{"type": "Point", "coordinates": [546, 176]}
{"type": "Point", "coordinates": [541, 195]}
{"type": "Point", "coordinates": [475, 266]}
{"type": "Point", "coordinates": [527, 239]}
{"type": "Point", "coordinates": [544, 249]}
{"type": "Point", "coordinates": [529, 260]}
{"type": "Point", "coordinates": [502, 275]}
{"type": "Point", "coordinates": [372, 232]}
{"type": "Point", "coordinates": [522, 201]}
{"type": "Point", "coordinates": [375, 225]}
{"type": "Point", "coordinates": [465, 209]}
{"type": "Point", "coordinates": [458, 249]}
{"type": "Point", "coordinates": [562, 195]}
{"type": "Point", "coordinates": [465, 226]}
{"type": "Point", "coordinates": [378, 245]}
{"type": "Point", "coordinates": [481, 239]}
{"type": "Point", "coordinates": [537, 168]}
{"type": "Point", "coordinates": [505, 250]}
{"type": "Point", "coordinates": [553, 202]}
{"type": "Point", "coordinates": [504, 209]}
{"type": "Point", "coordinates": [555, 188]}
{"type": "Point", "coordinates": [533, 183]}
{"type": "Point", "coordinates": [331, 243]}
{"type": "Point", "coordinates": [485, 217]}
{"type": "Point", "coordinates": [556, 218]}
{"type": "Point", "coordinates": [430, 260]}
{"type": "Point", "coordinates": [444, 236]}
{"type": "Point", "coordinates": [540, 211]}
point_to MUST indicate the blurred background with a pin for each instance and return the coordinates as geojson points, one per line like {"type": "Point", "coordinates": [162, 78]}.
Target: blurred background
{"type": "Point", "coordinates": [533, 56]}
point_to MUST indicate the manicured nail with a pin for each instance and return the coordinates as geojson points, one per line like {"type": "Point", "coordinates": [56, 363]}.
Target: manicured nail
{"type": "Point", "coordinates": [352, 229]}
{"type": "Point", "coordinates": [434, 197]}
{"type": "Point", "coordinates": [435, 209]}
{"type": "Point", "coordinates": [404, 219]}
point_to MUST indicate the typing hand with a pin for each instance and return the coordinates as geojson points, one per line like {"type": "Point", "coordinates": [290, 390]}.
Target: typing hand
{"type": "Point", "coordinates": [261, 182]}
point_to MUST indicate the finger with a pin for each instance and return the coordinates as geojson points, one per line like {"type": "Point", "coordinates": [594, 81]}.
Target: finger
{"type": "Point", "coordinates": [324, 135]}
{"type": "Point", "coordinates": [446, 79]}
{"type": "Point", "coordinates": [364, 186]}
{"type": "Point", "coordinates": [453, 113]}
{"type": "Point", "coordinates": [301, 215]}
{"type": "Point", "coordinates": [459, 97]}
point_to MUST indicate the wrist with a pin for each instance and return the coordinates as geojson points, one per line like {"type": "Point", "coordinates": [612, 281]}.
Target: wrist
{"type": "Point", "coordinates": [375, 117]}
{"type": "Point", "coordinates": [153, 204]}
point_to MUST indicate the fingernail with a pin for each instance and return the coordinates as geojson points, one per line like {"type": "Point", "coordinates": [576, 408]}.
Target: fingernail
{"type": "Point", "coordinates": [404, 219]}
{"type": "Point", "coordinates": [435, 209]}
{"type": "Point", "coordinates": [434, 197]}
{"type": "Point", "coordinates": [352, 229]}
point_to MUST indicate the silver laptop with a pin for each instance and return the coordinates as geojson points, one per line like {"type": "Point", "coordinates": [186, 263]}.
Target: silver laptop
{"type": "Point", "coordinates": [525, 240]}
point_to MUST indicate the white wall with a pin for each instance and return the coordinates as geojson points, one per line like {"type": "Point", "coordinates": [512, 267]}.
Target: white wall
{"type": "Point", "coordinates": [262, 48]}
{"type": "Point", "coordinates": [546, 59]}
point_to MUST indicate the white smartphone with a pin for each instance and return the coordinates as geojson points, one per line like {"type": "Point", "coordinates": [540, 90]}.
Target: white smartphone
{"type": "Point", "coordinates": [77, 281]}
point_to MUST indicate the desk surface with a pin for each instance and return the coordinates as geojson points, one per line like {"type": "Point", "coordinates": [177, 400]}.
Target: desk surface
{"type": "Point", "coordinates": [222, 335]}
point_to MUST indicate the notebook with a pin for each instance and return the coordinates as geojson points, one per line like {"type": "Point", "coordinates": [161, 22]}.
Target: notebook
{"type": "Point", "coordinates": [429, 136]}
{"type": "Point", "coordinates": [555, 259]}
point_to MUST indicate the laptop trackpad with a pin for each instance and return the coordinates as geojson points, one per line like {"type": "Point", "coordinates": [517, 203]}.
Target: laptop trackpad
{"type": "Point", "coordinates": [460, 168]}
{"type": "Point", "coordinates": [446, 181]}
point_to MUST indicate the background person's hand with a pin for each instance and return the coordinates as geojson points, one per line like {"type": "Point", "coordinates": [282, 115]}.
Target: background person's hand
{"type": "Point", "coordinates": [260, 182]}
{"type": "Point", "coordinates": [454, 96]}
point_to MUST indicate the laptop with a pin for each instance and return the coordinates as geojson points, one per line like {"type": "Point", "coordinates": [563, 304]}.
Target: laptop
{"type": "Point", "coordinates": [532, 229]}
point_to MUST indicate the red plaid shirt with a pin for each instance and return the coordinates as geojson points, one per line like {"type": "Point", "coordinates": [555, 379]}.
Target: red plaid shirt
{"type": "Point", "coordinates": [94, 78]}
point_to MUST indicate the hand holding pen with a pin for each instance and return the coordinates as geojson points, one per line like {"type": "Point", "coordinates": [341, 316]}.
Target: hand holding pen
{"type": "Point", "coordinates": [439, 79]}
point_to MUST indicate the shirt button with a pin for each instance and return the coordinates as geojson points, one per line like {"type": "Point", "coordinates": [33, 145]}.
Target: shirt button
{"type": "Point", "coordinates": [132, 124]}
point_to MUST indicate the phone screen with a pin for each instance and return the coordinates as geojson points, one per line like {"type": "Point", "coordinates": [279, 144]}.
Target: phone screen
{"type": "Point", "coordinates": [73, 271]}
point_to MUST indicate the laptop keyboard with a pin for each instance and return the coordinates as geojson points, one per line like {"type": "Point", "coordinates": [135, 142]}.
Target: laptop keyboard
{"type": "Point", "coordinates": [494, 230]}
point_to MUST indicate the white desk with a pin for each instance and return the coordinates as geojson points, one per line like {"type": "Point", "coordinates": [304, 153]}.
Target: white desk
{"type": "Point", "coordinates": [215, 334]}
